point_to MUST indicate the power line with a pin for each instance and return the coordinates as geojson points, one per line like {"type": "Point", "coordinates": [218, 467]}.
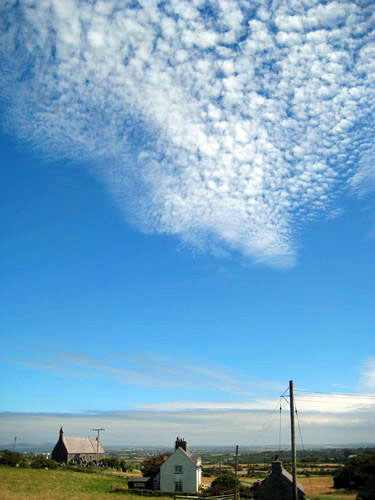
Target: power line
{"type": "Point", "coordinates": [337, 400]}
{"type": "Point", "coordinates": [266, 425]}
{"type": "Point", "coordinates": [344, 394]}
{"type": "Point", "coordinates": [302, 444]}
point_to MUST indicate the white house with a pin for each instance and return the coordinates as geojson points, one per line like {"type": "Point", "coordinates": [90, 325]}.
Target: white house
{"type": "Point", "coordinates": [181, 472]}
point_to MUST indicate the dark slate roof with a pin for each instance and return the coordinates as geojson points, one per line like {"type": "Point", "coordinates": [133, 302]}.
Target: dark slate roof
{"type": "Point", "coordinates": [82, 445]}
{"type": "Point", "coordinates": [278, 485]}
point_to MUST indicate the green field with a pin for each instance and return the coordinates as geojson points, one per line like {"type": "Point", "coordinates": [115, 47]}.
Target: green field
{"type": "Point", "coordinates": [40, 484]}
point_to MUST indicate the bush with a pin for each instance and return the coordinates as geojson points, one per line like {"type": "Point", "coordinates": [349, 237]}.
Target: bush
{"type": "Point", "coordinates": [355, 473]}
{"type": "Point", "coordinates": [41, 462]}
{"type": "Point", "coordinates": [151, 466]}
{"type": "Point", "coordinates": [226, 483]}
{"type": "Point", "coordinates": [12, 458]}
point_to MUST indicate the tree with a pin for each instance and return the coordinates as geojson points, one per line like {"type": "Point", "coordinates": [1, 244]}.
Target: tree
{"type": "Point", "coordinates": [355, 473]}
{"type": "Point", "coordinates": [226, 483]}
{"type": "Point", "coordinates": [151, 466]}
{"type": "Point", "coordinates": [11, 458]}
{"type": "Point", "coordinates": [110, 462]}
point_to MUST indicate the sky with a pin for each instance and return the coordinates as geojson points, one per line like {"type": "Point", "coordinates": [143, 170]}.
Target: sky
{"type": "Point", "coordinates": [188, 220]}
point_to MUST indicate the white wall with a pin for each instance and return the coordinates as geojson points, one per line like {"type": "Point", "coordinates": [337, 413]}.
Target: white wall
{"type": "Point", "coordinates": [190, 476]}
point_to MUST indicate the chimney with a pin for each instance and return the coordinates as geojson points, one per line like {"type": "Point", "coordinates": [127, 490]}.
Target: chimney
{"type": "Point", "coordinates": [277, 467]}
{"type": "Point", "coordinates": [180, 443]}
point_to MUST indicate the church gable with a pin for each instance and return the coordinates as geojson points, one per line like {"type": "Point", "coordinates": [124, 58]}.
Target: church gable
{"type": "Point", "coordinates": [77, 450]}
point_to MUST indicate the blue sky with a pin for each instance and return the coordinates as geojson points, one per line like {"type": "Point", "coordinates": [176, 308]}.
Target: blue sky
{"type": "Point", "coordinates": [187, 218]}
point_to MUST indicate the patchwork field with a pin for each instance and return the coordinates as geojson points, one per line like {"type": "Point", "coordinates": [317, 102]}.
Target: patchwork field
{"type": "Point", "coordinates": [321, 488]}
{"type": "Point", "coordinates": [317, 488]}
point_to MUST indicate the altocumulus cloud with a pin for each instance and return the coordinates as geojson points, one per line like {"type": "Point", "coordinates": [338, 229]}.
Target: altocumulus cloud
{"type": "Point", "coordinates": [229, 123]}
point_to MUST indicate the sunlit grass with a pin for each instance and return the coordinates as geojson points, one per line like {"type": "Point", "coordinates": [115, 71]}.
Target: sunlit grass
{"type": "Point", "coordinates": [40, 484]}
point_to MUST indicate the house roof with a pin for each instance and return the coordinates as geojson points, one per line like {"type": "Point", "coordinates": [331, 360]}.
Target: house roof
{"type": "Point", "coordinates": [196, 461]}
{"type": "Point", "coordinates": [82, 445]}
{"type": "Point", "coordinates": [277, 483]}
{"type": "Point", "coordinates": [278, 469]}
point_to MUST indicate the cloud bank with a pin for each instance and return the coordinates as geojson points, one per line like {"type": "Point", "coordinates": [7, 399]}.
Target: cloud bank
{"type": "Point", "coordinates": [224, 122]}
{"type": "Point", "coordinates": [200, 427]}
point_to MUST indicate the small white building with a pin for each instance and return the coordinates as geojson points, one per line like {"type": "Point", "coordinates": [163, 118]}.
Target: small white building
{"type": "Point", "coordinates": [181, 472]}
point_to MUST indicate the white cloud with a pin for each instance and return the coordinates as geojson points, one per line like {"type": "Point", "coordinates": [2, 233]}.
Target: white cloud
{"type": "Point", "coordinates": [220, 121]}
{"type": "Point", "coordinates": [334, 404]}
{"type": "Point", "coordinates": [151, 371]}
{"type": "Point", "coordinates": [368, 374]}
{"type": "Point", "coordinates": [200, 427]}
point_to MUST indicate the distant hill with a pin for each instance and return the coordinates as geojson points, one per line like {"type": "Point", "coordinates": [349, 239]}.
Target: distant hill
{"type": "Point", "coordinates": [29, 447]}
{"type": "Point", "coordinates": [48, 447]}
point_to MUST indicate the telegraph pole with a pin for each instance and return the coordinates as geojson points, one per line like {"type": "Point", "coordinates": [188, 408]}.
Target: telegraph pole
{"type": "Point", "coordinates": [14, 443]}
{"type": "Point", "coordinates": [293, 439]}
{"type": "Point", "coordinates": [235, 475]}
{"type": "Point", "coordinates": [97, 444]}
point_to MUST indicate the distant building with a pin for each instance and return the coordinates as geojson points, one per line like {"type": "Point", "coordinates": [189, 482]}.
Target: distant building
{"type": "Point", "coordinates": [278, 485]}
{"type": "Point", "coordinates": [181, 472]}
{"type": "Point", "coordinates": [77, 450]}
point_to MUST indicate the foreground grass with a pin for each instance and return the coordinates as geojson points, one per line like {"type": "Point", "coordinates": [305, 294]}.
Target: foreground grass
{"type": "Point", "coordinates": [40, 484]}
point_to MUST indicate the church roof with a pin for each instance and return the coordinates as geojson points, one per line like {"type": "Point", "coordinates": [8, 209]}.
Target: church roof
{"type": "Point", "coordinates": [82, 445]}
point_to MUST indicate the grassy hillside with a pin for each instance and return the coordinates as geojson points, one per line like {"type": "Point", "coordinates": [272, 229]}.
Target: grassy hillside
{"type": "Point", "coordinates": [40, 484]}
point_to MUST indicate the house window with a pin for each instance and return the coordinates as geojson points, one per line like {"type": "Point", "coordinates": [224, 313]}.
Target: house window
{"type": "Point", "coordinates": [178, 469]}
{"type": "Point", "coordinates": [178, 486]}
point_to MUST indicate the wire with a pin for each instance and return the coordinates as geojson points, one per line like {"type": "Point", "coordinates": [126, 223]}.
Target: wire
{"type": "Point", "coordinates": [286, 390]}
{"type": "Point", "coordinates": [344, 394]}
{"type": "Point", "coordinates": [302, 444]}
{"type": "Point", "coordinates": [337, 400]}
{"type": "Point", "coordinates": [266, 425]}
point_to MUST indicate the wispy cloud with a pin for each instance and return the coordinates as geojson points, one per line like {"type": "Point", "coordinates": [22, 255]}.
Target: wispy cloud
{"type": "Point", "coordinates": [368, 374]}
{"type": "Point", "coordinates": [227, 123]}
{"type": "Point", "coordinates": [152, 370]}
{"type": "Point", "coordinates": [312, 403]}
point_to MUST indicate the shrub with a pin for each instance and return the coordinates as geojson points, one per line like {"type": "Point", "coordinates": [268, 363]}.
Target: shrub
{"type": "Point", "coordinates": [11, 458]}
{"type": "Point", "coordinates": [355, 473]}
{"type": "Point", "coordinates": [41, 462]}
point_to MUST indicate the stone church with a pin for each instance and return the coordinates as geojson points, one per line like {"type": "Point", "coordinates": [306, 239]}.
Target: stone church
{"type": "Point", "coordinates": [77, 450]}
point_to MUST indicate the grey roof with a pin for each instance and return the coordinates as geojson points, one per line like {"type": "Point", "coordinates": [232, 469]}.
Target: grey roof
{"type": "Point", "coordinates": [82, 445]}
{"type": "Point", "coordinates": [289, 476]}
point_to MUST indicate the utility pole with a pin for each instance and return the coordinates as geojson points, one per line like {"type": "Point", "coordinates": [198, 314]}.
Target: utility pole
{"type": "Point", "coordinates": [293, 439]}
{"type": "Point", "coordinates": [14, 443]}
{"type": "Point", "coordinates": [97, 444]}
{"type": "Point", "coordinates": [235, 476]}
